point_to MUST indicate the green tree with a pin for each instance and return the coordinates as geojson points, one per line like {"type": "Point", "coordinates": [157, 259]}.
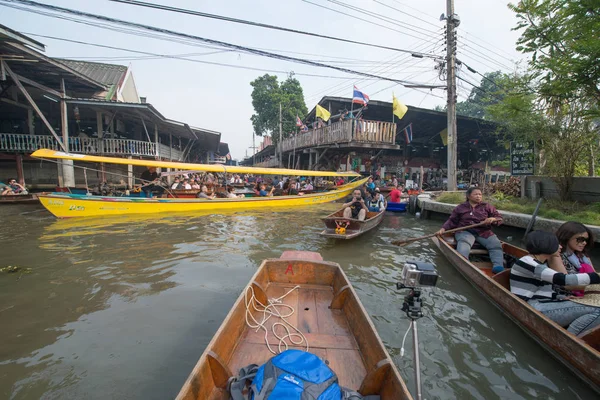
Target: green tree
{"type": "Point", "coordinates": [486, 94]}
{"type": "Point", "coordinates": [563, 135]}
{"type": "Point", "coordinates": [562, 38]}
{"type": "Point", "coordinates": [267, 95]}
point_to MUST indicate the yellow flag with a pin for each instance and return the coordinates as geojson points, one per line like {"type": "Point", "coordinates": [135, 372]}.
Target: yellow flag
{"type": "Point", "coordinates": [399, 109]}
{"type": "Point", "coordinates": [323, 113]}
{"type": "Point", "coordinates": [444, 136]}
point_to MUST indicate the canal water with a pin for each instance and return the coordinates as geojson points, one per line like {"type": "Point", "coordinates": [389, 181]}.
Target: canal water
{"type": "Point", "coordinates": [122, 308]}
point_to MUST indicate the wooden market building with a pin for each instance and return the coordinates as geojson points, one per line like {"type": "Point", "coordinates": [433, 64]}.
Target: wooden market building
{"type": "Point", "coordinates": [376, 141]}
{"type": "Point", "coordinates": [82, 107]}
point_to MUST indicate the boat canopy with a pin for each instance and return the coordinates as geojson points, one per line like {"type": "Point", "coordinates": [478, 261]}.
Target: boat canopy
{"type": "Point", "coordinates": [230, 169]}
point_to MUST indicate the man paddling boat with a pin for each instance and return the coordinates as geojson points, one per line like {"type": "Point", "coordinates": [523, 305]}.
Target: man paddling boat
{"type": "Point", "coordinates": [475, 211]}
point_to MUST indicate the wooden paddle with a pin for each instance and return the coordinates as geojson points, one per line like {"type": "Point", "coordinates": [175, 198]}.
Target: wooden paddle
{"type": "Point", "coordinates": [403, 242]}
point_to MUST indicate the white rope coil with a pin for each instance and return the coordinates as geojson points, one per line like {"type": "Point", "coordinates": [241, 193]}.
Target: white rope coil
{"type": "Point", "coordinates": [274, 309]}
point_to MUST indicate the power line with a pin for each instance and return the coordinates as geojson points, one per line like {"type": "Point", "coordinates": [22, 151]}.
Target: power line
{"type": "Point", "coordinates": [361, 19]}
{"type": "Point", "coordinates": [176, 57]}
{"type": "Point", "coordinates": [198, 38]}
{"type": "Point", "coordinates": [257, 24]}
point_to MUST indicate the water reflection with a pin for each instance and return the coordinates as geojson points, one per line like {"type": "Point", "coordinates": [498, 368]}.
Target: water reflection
{"type": "Point", "coordinates": [123, 307]}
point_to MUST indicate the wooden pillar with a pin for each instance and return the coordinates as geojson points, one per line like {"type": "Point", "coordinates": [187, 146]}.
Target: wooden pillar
{"type": "Point", "coordinates": [68, 171]}
{"type": "Point", "coordinates": [156, 140]}
{"type": "Point", "coordinates": [20, 174]}
{"type": "Point", "coordinates": [30, 124]}
{"type": "Point", "coordinates": [129, 174]}
{"type": "Point", "coordinates": [100, 132]}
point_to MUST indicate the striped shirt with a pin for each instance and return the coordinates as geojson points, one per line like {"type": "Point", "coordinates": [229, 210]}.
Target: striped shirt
{"type": "Point", "coordinates": [530, 279]}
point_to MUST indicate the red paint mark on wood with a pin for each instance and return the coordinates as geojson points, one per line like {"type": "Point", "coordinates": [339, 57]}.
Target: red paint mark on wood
{"type": "Point", "coordinates": [290, 269]}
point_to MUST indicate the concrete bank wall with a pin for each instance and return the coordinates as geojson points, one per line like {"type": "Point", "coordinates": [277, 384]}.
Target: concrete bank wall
{"type": "Point", "coordinates": [585, 188]}
{"type": "Point", "coordinates": [510, 218]}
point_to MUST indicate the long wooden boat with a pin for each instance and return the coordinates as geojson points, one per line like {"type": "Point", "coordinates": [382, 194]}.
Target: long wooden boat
{"type": "Point", "coordinates": [66, 205]}
{"type": "Point", "coordinates": [581, 355]}
{"type": "Point", "coordinates": [351, 227]}
{"type": "Point", "coordinates": [31, 198]}
{"type": "Point", "coordinates": [327, 311]}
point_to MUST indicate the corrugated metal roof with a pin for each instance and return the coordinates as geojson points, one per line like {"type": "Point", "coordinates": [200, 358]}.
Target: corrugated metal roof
{"type": "Point", "coordinates": [107, 74]}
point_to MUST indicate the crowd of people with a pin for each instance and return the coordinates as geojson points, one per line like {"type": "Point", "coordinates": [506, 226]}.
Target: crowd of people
{"type": "Point", "coordinates": [554, 273]}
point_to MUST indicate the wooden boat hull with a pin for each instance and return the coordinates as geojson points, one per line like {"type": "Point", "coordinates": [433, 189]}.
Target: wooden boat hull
{"type": "Point", "coordinates": [67, 205]}
{"type": "Point", "coordinates": [581, 357]}
{"type": "Point", "coordinates": [19, 199]}
{"type": "Point", "coordinates": [355, 227]}
{"type": "Point", "coordinates": [329, 313]}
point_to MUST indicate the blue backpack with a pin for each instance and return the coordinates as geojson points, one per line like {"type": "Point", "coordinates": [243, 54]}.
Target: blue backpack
{"type": "Point", "coordinates": [291, 375]}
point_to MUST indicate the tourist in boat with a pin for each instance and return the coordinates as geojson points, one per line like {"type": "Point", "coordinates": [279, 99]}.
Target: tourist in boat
{"type": "Point", "coordinates": [151, 182]}
{"type": "Point", "coordinates": [203, 193]}
{"type": "Point", "coordinates": [471, 212]}
{"type": "Point", "coordinates": [394, 180]}
{"type": "Point", "coordinates": [195, 185]}
{"type": "Point", "coordinates": [395, 195]}
{"type": "Point", "coordinates": [308, 186]}
{"type": "Point", "coordinates": [340, 182]}
{"type": "Point", "coordinates": [576, 241]}
{"type": "Point", "coordinates": [370, 186]}
{"type": "Point", "coordinates": [231, 193]}
{"type": "Point", "coordinates": [357, 207]}
{"type": "Point", "coordinates": [263, 191]}
{"type": "Point", "coordinates": [377, 203]}
{"type": "Point", "coordinates": [531, 279]}
{"type": "Point", "coordinates": [13, 188]}
{"type": "Point", "coordinates": [176, 184]}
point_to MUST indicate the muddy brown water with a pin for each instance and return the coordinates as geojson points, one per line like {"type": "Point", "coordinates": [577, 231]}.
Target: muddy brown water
{"type": "Point", "coordinates": [122, 308]}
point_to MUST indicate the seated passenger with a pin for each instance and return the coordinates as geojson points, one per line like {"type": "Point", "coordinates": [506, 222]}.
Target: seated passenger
{"type": "Point", "coordinates": [377, 203]}
{"type": "Point", "coordinates": [186, 185]}
{"type": "Point", "coordinates": [356, 207]}
{"type": "Point", "coordinates": [195, 184]}
{"type": "Point", "coordinates": [531, 279]}
{"type": "Point", "coordinates": [576, 240]}
{"type": "Point", "coordinates": [370, 186]}
{"type": "Point", "coordinates": [176, 184]}
{"type": "Point", "coordinates": [471, 212]}
{"type": "Point", "coordinates": [232, 195]}
{"type": "Point", "coordinates": [263, 191]}
{"type": "Point", "coordinates": [13, 188]}
{"type": "Point", "coordinates": [203, 193]}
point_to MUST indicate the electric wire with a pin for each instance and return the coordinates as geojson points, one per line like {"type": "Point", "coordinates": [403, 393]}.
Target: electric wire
{"type": "Point", "coordinates": [202, 39]}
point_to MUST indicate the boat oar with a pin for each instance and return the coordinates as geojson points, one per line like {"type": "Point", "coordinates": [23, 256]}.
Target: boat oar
{"type": "Point", "coordinates": [403, 242]}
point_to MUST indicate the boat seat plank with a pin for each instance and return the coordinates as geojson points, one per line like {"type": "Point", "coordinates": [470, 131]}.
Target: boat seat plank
{"type": "Point", "coordinates": [503, 278]}
{"type": "Point", "coordinates": [373, 382]}
{"type": "Point", "coordinates": [315, 340]}
{"type": "Point", "coordinates": [478, 252]}
{"type": "Point", "coordinates": [307, 312]}
{"type": "Point", "coordinates": [349, 367]}
{"type": "Point", "coordinates": [301, 255]}
{"type": "Point", "coordinates": [331, 322]}
{"type": "Point", "coordinates": [592, 337]}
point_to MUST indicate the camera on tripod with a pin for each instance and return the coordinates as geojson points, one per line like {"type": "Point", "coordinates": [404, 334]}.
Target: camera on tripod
{"type": "Point", "coordinates": [416, 274]}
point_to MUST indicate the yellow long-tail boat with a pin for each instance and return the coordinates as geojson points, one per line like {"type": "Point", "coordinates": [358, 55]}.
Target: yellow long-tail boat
{"type": "Point", "coordinates": [67, 205]}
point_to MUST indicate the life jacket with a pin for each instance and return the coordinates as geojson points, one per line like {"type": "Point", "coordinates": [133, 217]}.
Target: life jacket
{"type": "Point", "coordinates": [291, 375]}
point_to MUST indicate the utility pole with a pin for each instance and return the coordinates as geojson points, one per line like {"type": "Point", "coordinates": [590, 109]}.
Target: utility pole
{"type": "Point", "coordinates": [280, 135]}
{"type": "Point", "coordinates": [452, 22]}
{"type": "Point", "coordinates": [253, 150]}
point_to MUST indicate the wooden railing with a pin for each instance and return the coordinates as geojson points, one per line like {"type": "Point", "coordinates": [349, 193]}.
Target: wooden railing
{"type": "Point", "coordinates": [165, 151]}
{"type": "Point", "coordinates": [272, 163]}
{"type": "Point", "coordinates": [29, 143]}
{"type": "Point", "coordinates": [344, 132]}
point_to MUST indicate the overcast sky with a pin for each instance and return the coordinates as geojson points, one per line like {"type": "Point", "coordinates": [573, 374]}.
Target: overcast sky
{"type": "Point", "coordinates": [218, 97]}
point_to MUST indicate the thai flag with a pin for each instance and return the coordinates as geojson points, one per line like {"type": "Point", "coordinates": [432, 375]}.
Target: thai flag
{"type": "Point", "coordinates": [298, 122]}
{"type": "Point", "coordinates": [408, 133]}
{"type": "Point", "coordinates": [359, 97]}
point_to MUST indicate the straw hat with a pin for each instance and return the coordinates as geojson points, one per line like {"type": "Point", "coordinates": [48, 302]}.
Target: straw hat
{"type": "Point", "coordinates": [591, 297]}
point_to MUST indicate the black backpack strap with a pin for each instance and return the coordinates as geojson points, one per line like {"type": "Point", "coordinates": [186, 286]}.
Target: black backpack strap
{"type": "Point", "coordinates": [348, 394]}
{"type": "Point", "coordinates": [237, 384]}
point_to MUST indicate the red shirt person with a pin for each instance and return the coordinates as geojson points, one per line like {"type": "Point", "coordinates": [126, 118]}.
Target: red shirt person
{"type": "Point", "coordinates": [395, 195]}
{"type": "Point", "coordinates": [471, 212]}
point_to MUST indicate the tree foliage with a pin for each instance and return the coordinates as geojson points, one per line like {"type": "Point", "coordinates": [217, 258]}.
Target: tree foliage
{"type": "Point", "coordinates": [562, 38]}
{"type": "Point", "coordinates": [267, 95]}
{"type": "Point", "coordinates": [488, 93]}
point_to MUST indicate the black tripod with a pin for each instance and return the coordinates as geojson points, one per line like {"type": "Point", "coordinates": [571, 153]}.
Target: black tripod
{"type": "Point", "coordinates": [412, 307]}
